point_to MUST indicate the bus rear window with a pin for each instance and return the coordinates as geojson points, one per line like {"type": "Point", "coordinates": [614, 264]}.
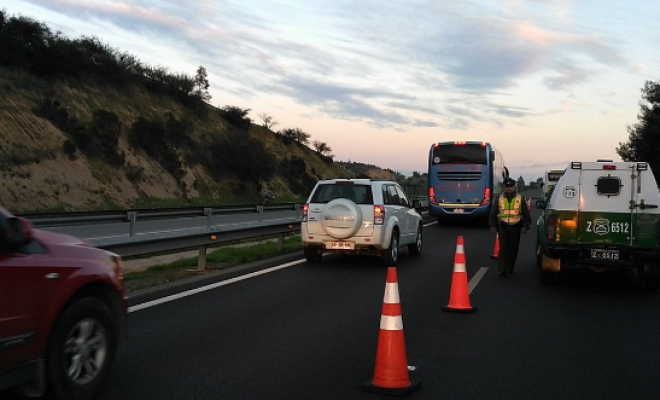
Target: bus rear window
{"type": "Point", "coordinates": [554, 176]}
{"type": "Point", "coordinates": [466, 153]}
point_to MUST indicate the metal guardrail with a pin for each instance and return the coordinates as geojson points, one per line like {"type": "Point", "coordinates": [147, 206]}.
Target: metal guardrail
{"type": "Point", "coordinates": [160, 242]}
{"type": "Point", "coordinates": [153, 243]}
{"type": "Point", "coordinates": [133, 216]}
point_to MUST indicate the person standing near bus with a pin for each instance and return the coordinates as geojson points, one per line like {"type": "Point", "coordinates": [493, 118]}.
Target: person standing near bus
{"type": "Point", "coordinates": [509, 216]}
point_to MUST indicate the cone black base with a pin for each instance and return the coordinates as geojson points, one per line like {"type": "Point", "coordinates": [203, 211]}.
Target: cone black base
{"type": "Point", "coordinates": [461, 310]}
{"type": "Point", "coordinates": [415, 383]}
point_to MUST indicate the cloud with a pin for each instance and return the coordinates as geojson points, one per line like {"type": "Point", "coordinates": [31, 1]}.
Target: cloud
{"type": "Point", "coordinates": [402, 67]}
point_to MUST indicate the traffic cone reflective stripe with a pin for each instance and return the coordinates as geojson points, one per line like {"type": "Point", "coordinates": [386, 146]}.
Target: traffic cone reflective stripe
{"type": "Point", "coordinates": [496, 251]}
{"type": "Point", "coordinates": [459, 295]}
{"type": "Point", "coordinates": [391, 371]}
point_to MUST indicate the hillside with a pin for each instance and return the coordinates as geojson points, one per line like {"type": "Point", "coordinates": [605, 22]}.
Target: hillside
{"type": "Point", "coordinates": [38, 175]}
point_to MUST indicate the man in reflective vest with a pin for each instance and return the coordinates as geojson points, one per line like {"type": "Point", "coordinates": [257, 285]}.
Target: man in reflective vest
{"type": "Point", "coordinates": [508, 216]}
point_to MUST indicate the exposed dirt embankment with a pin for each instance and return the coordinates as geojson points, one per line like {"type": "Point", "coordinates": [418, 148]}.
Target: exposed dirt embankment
{"type": "Point", "coordinates": [36, 175]}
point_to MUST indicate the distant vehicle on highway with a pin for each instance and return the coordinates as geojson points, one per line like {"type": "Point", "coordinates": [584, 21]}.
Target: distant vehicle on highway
{"type": "Point", "coordinates": [550, 179]}
{"type": "Point", "coordinates": [360, 216]}
{"type": "Point", "coordinates": [62, 312]}
{"type": "Point", "coordinates": [463, 177]}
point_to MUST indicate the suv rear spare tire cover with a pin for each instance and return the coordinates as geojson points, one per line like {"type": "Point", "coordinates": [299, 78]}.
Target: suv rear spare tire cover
{"type": "Point", "coordinates": [341, 218]}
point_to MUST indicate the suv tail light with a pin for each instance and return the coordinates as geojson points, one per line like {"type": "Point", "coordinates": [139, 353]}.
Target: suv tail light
{"type": "Point", "coordinates": [432, 199]}
{"type": "Point", "coordinates": [379, 215]}
{"type": "Point", "coordinates": [551, 227]}
{"type": "Point", "coordinates": [305, 210]}
{"type": "Point", "coordinates": [486, 199]}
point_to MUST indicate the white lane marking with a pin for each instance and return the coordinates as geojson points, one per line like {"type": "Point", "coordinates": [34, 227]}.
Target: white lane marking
{"type": "Point", "coordinates": [191, 292]}
{"type": "Point", "coordinates": [476, 278]}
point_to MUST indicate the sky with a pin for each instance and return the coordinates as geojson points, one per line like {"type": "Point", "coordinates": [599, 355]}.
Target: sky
{"type": "Point", "coordinates": [547, 82]}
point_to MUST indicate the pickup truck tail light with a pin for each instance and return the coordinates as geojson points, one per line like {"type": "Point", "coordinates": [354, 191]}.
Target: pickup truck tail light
{"type": "Point", "coordinates": [551, 227]}
{"type": "Point", "coordinates": [379, 215]}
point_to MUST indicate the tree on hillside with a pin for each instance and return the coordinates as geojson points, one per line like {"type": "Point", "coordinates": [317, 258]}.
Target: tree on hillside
{"type": "Point", "coordinates": [322, 148]}
{"type": "Point", "coordinates": [237, 116]}
{"type": "Point", "coordinates": [644, 136]}
{"type": "Point", "coordinates": [268, 120]}
{"type": "Point", "coordinates": [301, 136]}
{"type": "Point", "coordinates": [201, 84]}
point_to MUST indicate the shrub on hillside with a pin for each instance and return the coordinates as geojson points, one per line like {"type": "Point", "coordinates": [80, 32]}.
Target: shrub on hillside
{"type": "Point", "coordinates": [241, 155]}
{"type": "Point", "coordinates": [294, 170]}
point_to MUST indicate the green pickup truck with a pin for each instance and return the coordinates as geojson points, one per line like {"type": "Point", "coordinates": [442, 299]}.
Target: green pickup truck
{"type": "Point", "coordinates": [605, 215]}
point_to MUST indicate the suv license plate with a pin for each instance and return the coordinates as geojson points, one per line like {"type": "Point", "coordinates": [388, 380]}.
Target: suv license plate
{"type": "Point", "coordinates": [605, 254]}
{"type": "Point", "coordinates": [339, 246]}
{"type": "Point", "coordinates": [459, 210]}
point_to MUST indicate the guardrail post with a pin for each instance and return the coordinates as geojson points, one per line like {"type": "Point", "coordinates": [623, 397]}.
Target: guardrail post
{"type": "Point", "coordinates": [298, 209]}
{"type": "Point", "coordinates": [201, 259]}
{"type": "Point", "coordinates": [208, 212]}
{"type": "Point", "coordinates": [260, 210]}
{"type": "Point", "coordinates": [132, 218]}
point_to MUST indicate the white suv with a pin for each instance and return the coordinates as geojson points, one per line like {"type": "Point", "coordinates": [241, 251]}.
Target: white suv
{"type": "Point", "coordinates": [360, 216]}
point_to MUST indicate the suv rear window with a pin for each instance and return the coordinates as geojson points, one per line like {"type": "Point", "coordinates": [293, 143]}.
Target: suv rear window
{"type": "Point", "coordinates": [609, 185]}
{"type": "Point", "coordinates": [359, 194]}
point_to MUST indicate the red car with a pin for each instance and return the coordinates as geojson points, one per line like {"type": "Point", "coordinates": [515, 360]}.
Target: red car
{"type": "Point", "coordinates": [62, 312]}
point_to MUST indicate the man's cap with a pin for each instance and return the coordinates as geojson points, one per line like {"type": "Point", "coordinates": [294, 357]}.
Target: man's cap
{"type": "Point", "coordinates": [509, 182]}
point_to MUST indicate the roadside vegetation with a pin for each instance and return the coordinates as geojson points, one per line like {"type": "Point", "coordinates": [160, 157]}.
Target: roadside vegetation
{"type": "Point", "coordinates": [222, 258]}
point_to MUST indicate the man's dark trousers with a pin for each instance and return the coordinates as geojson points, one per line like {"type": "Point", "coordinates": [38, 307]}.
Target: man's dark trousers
{"type": "Point", "coordinates": [509, 236]}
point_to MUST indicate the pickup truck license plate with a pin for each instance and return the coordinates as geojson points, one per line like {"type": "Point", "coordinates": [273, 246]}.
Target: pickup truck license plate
{"type": "Point", "coordinates": [340, 246]}
{"type": "Point", "coordinates": [603, 254]}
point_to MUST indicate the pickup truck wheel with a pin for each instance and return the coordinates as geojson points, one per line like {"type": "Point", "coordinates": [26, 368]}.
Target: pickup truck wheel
{"type": "Point", "coordinates": [81, 351]}
{"type": "Point", "coordinates": [649, 277]}
{"type": "Point", "coordinates": [416, 248]}
{"type": "Point", "coordinates": [312, 254]}
{"type": "Point", "coordinates": [391, 254]}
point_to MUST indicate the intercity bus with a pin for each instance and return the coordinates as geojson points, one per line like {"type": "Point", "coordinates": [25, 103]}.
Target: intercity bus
{"type": "Point", "coordinates": [550, 179]}
{"type": "Point", "coordinates": [463, 177]}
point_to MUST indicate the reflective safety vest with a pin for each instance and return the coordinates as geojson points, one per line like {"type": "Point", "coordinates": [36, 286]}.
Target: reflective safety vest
{"type": "Point", "coordinates": [510, 213]}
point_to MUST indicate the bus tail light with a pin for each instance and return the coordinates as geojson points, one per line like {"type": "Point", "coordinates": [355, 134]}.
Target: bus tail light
{"type": "Point", "coordinates": [305, 210]}
{"type": "Point", "coordinates": [379, 215]}
{"type": "Point", "coordinates": [432, 199]}
{"type": "Point", "coordinates": [486, 199]}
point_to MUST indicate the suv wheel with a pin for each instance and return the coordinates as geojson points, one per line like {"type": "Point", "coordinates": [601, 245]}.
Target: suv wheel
{"type": "Point", "coordinates": [82, 350]}
{"type": "Point", "coordinates": [391, 254]}
{"type": "Point", "coordinates": [416, 248]}
{"type": "Point", "coordinates": [312, 254]}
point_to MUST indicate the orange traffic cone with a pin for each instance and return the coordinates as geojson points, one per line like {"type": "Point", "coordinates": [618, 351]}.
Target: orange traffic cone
{"type": "Point", "coordinates": [391, 372]}
{"type": "Point", "coordinates": [459, 297]}
{"type": "Point", "coordinates": [496, 250]}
